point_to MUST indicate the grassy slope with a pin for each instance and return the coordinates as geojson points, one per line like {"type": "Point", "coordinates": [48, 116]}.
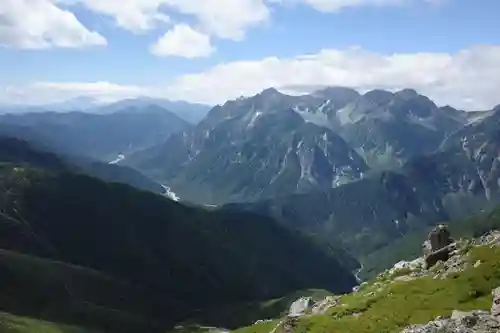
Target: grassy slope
{"type": "Point", "coordinates": [15, 324]}
{"type": "Point", "coordinates": [399, 304]}
{"type": "Point", "coordinates": [67, 293]}
{"type": "Point", "coordinates": [409, 246]}
{"type": "Point", "coordinates": [253, 311]}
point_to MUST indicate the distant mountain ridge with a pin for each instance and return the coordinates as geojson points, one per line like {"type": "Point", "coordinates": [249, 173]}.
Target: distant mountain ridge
{"type": "Point", "coordinates": [101, 137]}
{"type": "Point", "coordinates": [89, 142]}
{"type": "Point", "coordinates": [191, 112]}
{"type": "Point", "coordinates": [276, 144]}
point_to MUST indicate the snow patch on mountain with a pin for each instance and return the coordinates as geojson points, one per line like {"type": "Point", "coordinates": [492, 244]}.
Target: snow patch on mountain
{"type": "Point", "coordinates": [170, 194]}
{"type": "Point", "coordinates": [119, 158]}
{"type": "Point", "coordinates": [317, 118]}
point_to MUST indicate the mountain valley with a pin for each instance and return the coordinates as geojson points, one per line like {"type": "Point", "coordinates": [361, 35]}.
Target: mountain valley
{"type": "Point", "coordinates": [280, 197]}
{"type": "Point", "coordinates": [107, 256]}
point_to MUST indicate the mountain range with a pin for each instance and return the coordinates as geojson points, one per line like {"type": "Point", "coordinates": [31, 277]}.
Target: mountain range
{"type": "Point", "coordinates": [102, 137]}
{"type": "Point", "coordinates": [357, 170]}
{"type": "Point", "coordinates": [191, 112]}
{"type": "Point", "coordinates": [458, 179]}
{"type": "Point", "coordinates": [298, 192]}
{"type": "Point", "coordinates": [275, 144]}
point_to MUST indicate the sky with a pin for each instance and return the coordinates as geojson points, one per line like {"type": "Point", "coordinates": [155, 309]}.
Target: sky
{"type": "Point", "coordinates": [209, 51]}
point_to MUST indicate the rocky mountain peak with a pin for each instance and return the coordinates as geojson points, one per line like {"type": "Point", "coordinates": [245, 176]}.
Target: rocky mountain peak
{"type": "Point", "coordinates": [340, 95]}
{"type": "Point", "coordinates": [378, 96]}
{"type": "Point", "coordinates": [407, 93]}
{"type": "Point", "coordinates": [269, 92]}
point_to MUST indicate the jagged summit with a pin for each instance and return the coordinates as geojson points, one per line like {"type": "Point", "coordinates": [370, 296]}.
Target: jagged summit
{"type": "Point", "coordinates": [270, 92]}
{"type": "Point", "coordinates": [378, 96]}
{"type": "Point", "coordinates": [345, 93]}
{"type": "Point", "coordinates": [407, 93]}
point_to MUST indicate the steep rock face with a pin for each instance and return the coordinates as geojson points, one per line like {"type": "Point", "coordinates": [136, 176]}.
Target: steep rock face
{"type": "Point", "coordinates": [389, 128]}
{"type": "Point", "coordinates": [363, 215]}
{"type": "Point", "coordinates": [468, 160]}
{"type": "Point", "coordinates": [452, 183]}
{"type": "Point", "coordinates": [479, 142]}
{"type": "Point", "coordinates": [253, 148]}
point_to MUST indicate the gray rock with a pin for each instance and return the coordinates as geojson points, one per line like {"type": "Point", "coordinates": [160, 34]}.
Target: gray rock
{"type": "Point", "coordinates": [300, 306]}
{"type": "Point", "coordinates": [460, 322]}
{"type": "Point", "coordinates": [491, 238]}
{"type": "Point", "coordinates": [433, 258]}
{"type": "Point", "coordinates": [439, 237]}
{"type": "Point", "coordinates": [322, 306]}
{"type": "Point", "coordinates": [468, 319]}
{"type": "Point", "coordinates": [438, 246]}
{"type": "Point", "coordinates": [495, 307]}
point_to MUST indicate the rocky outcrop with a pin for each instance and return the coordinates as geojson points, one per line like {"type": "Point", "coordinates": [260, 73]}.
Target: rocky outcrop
{"type": "Point", "coordinates": [438, 238]}
{"type": "Point", "coordinates": [438, 246]}
{"type": "Point", "coordinates": [490, 238]}
{"type": "Point", "coordinates": [322, 306]}
{"type": "Point", "coordinates": [459, 322]}
{"type": "Point", "coordinates": [440, 262]}
{"type": "Point", "coordinates": [307, 306]}
{"type": "Point", "coordinates": [300, 306]}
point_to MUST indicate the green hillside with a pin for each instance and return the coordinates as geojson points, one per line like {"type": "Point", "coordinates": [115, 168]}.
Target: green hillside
{"type": "Point", "coordinates": [16, 324]}
{"type": "Point", "coordinates": [401, 297]}
{"type": "Point", "coordinates": [102, 255]}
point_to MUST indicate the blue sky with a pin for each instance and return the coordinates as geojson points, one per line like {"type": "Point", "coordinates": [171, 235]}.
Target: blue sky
{"type": "Point", "coordinates": [213, 50]}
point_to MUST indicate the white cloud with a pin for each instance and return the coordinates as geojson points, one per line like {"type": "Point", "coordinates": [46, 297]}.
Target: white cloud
{"type": "Point", "coordinates": [183, 41]}
{"type": "Point", "coordinates": [337, 5]}
{"type": "Point", "coordinates": [222, 18]}
{"type": "Point", "coordinates": [39, 24]}
{"type": "Point", "coordinates": [227, 19]}
{"type": "Point", "coordinates": [468, 79]}
{"type": "Point", "coordinates": [42, 24]}
{"type": "Point", "coordinates": [133, 15]}
{"type": "Point", "coordinates": [330, 6]}
{"type": "Point", "coordinates": [48, 92]}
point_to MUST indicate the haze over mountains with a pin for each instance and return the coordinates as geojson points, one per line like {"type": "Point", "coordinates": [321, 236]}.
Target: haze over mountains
{"type": "Point", "coordinates": [306, 189]}
{"type": "Point", "coordinates": [190, 112]}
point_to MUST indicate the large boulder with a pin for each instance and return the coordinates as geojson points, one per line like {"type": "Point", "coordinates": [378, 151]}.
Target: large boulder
{"type": "Point", "coordinates": [439, 237]}
{"type": "Point", "coordinates": [460, 322]}
{"type": "Point", "coordinates": [300, 306]}
{"type": "Point", "coordinates": [438, 245]}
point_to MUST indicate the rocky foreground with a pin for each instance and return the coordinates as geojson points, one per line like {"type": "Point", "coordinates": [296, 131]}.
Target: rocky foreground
{"type": "Point", "coordinates": [453, 288]}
